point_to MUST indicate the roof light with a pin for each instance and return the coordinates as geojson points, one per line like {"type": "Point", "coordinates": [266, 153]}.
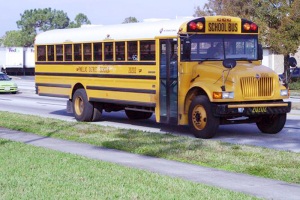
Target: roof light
{"type": "Point", "coordinates": [253, 27]}
{"type": "Point", "coordinates": [193, 26]}
{"type": "Point", "coordinates": [246, 26]}
{"type": "Point", "coordinates": [200, 25]}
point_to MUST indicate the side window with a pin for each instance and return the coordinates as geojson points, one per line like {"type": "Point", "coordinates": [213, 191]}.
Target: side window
{"type": "Point", "coordinates": [77, 52]}
{"type": "Point", "coordinates": [68, 52]}
{"type": "Point", "coordinates": [108, 51]}
{"type": "Point", "coordinates": [120, 51]}
{"type": "Point", "coordinates": [147, 50]}
{"type": "Point", "coordinates": [97, 51]}
{"type": "Point", "coordinates": [41, 53]}
{"type": "Point", "coordinates": [132, 51]}
{"type": "Point", "coordinates": [87, 52]}
{"type": "Point", "coordinates": [59, 52]}
{"type": "Point", "coordinates": [50, 52]}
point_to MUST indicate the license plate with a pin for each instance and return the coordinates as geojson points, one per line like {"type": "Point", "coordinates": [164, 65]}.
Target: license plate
{"type": "Point", "coordinates": [259, 110]}
{"type": "Point", "coordinates": [7, 88]}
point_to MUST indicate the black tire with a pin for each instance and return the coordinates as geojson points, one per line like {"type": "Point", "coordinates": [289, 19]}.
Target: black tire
{"type": "Point", "coordinates": [202, 122]}
{"type": "Point", "coordinates": [97, 112]}
{"type": "Point", "coordinates": [83, 109]}
{"type": "Point", "coordinates": [271, 124]}
{"type": "Point", "coordinates": [134, 115]}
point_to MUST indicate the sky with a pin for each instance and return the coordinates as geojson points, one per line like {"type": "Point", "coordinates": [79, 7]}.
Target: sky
{"type": "Point", "coordinates": [99, 11]}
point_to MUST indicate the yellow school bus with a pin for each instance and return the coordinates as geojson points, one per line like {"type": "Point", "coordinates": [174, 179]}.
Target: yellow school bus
{"type": "Point", "coordinates": [201, 72]}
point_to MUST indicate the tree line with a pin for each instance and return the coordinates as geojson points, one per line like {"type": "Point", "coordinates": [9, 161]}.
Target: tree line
{"type": "Point", "coordinates": [35, 21]}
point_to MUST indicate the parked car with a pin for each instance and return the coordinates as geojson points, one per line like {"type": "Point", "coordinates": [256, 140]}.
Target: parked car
{"type": "Point", "coordinates": [7, 85]}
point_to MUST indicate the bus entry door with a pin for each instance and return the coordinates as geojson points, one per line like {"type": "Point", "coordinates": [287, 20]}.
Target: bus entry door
{"type": "Point", "coordinates": [168, 97]}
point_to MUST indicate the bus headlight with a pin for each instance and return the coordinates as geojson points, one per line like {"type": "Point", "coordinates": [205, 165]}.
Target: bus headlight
{"type": "Point", "coordinates": [223, 95]}
{"type": "Point", "coordinates": [284, 92]}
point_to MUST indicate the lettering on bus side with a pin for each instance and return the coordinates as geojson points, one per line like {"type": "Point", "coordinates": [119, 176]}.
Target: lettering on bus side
{"type": "Point", "coordinates": [104, 69]}
{"type": "Point", "coordinates": [222, 27]}
{"type": "Point", "coordinates": [82, 69]}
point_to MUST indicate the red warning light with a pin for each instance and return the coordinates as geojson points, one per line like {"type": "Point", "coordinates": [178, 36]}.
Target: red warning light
{"type": "Point", "coordinates": [193, 26]}
{"type": "Point", "coordinates": [253, 27]}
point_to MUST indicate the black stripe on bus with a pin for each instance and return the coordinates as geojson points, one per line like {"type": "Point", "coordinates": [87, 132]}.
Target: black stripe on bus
{"type": "Point", "coordinates": [121, 89]}
{"type": "Point", "coordinates": [123, 102]}
{"type": "Point", "coordinates": [54, 95]}
{"type": "Point", "coordinates": [96, 63]}
{"type": "Point", "coordinates": [54, 85]}
{"type": "Point", "coordinates": [144, 77]}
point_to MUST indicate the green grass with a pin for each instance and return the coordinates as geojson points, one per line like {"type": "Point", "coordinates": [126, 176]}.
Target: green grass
{"type": "Point", "coordinates": [258, 161]}
{"type": "Point", "coordinates": [28, 172]}
{"type": "Point", "coordinates": [295, 85]}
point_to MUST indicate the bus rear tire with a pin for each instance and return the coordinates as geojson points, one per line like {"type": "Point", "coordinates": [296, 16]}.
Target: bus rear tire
{"type": "Point", "coordinates": [83, 109]}
{"type": "Point", "coordinates": [134, 115]}
{"type": "Point", "coordinates": [202, 122]}
{"type": "Point", "coordinates": [271, 124]}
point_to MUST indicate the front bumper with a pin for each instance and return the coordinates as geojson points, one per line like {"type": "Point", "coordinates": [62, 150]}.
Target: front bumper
{"type": "Point", "coordinates": [251, 109]}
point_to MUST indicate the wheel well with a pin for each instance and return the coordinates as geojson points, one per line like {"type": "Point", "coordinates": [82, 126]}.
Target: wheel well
{"type": "Point", "coordinates": [192, 93]}
{"type": "Point", "coordinates": [76, 87]}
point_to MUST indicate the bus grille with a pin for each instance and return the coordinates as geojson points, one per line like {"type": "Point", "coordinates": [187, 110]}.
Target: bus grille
{"type": "Point", "coordinates": [254, 87]}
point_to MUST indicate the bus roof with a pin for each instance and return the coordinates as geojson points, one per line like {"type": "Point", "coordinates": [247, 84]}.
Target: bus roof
{"type": "Point", "coordinates": [130, 31]}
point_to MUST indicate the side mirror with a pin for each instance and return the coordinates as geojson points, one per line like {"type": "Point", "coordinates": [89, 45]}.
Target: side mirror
{"type": "Point", "coordinates": [260, 52]}
{"type": "Point", "coordinates": [229, 63]}
{"type": "Point", "coordinates": [186, 51]}
{"type": "Point", "coordinates": [292, 62]}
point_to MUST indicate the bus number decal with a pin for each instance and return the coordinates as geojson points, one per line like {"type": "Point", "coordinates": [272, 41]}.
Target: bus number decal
{"type": "Point", "coordinates": [132, 70]}
{"type": "Point", "coordinates": [104, 69]}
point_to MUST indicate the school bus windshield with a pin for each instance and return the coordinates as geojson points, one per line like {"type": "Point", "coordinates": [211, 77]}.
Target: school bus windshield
{"type": "Point", "coordinates": [220, 47]}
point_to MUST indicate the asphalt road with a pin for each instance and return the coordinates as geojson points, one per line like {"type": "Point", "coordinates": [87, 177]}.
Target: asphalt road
{"type": "Point", "coordinates": [27, 102]}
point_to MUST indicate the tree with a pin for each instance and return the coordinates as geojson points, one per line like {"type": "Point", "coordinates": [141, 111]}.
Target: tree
{"type": "Point", "coordinates": [14, 38]}
{"type": "Point", "coordinates": [80, 19]}
{"type": "Point", "coordinates": [279, 21]}
{"type": "Point", "coordinates": [37, 20]}
{"type": "Point", "coordinates": [130, 20]}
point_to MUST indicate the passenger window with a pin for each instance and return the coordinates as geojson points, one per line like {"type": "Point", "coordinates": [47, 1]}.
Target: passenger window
{"type": "Point", "coordinates": [108, 51]}
{"type": "Point", "coordinates": [97, 51]}
{"type": "Point", "coordinates": [68, 52]}
{"type": "Point", "coordinates": [120, 51]}
{"type": "Point", "coordinates": [77, 52]}
{"type": "Point", "coordinates": [59, 52]}
{"type": "Point", "coordinates": [147, 50]}
{"type": "Point", "coordinates": [50, 52]}
{"type": "Point", "coordinates": [41, 53]}
{"type": "Point", "coordinates": [87, 52]}
{"type": "Point", "coordinates": [132, 51]}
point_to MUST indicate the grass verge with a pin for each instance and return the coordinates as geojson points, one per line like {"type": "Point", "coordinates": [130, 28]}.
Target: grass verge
{"type": "Point", "coordinates": [258, 161]}
{"type": "Point", "coordinates": [28, 172]}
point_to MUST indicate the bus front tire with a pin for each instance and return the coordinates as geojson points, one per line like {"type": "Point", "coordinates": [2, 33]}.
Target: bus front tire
{"type": "Point", "coordinates": [83, 109]}
{"type": "Point", "coordinates": [271, 124]}
{"type": "Point", "coordinates": [202, 122]}
{"type": "Point", "coordinates": [134, 115]}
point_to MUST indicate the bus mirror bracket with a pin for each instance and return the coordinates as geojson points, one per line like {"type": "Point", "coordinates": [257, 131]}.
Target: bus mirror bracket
{"type": "Point", "coordinates": [260, 52]}
{"type": "Point", "coordinates": [186, 53]}
{"type": "Point", "coordinates": [292, 62]}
